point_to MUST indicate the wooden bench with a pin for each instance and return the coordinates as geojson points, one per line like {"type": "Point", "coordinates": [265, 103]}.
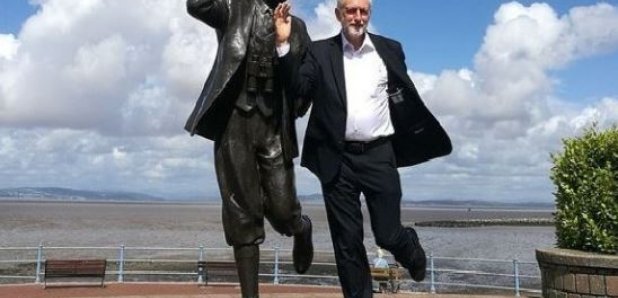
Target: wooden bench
{"type": "Point", "coordinates": [217, 268]}
{"type": "Point", "coordinates": [387, 278]}
{"type": "Point", "coordinates": [75, 268]}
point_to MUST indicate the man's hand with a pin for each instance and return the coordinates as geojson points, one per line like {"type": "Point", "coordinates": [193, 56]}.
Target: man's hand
{"type": "Point", "coordinates": [283, 23]}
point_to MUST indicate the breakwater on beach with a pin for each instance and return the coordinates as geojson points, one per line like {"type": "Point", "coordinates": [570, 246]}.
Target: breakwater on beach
{"type": "Point", "coordinates": [471, 223]}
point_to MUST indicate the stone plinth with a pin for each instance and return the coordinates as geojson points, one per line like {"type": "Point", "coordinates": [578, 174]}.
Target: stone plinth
{"type": "Point", "coordinates": [577, 274]}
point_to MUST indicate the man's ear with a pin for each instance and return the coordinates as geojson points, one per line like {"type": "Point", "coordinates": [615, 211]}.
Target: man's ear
{"type": "Point", "coordinates": [338, 14]}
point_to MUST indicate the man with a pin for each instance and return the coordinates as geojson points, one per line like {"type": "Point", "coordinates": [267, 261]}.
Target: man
{"type": "Point", "coordinates": [379, 262]}
{"type": "Point", "coordinates": [250, 116]}
{"type": "Point", "coordinates": [366, 120]}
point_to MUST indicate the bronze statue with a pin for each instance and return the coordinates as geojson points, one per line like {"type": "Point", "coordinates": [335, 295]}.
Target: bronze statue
{"type": "Point", "coordinates": [246, 110]}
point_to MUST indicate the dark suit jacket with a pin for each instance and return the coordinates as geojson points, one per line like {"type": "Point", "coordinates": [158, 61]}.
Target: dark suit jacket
{"type": "Point", "coordinates": [232, 20]}
{"type": "Point", "coordinates": [320, 81]}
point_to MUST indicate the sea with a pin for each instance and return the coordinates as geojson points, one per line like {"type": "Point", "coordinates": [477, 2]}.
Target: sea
{"type": "Point", "coordinates": [105, 224]}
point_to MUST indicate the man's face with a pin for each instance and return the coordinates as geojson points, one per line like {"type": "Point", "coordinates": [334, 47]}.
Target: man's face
{"type": "Point", "coordinates": [354, 17]}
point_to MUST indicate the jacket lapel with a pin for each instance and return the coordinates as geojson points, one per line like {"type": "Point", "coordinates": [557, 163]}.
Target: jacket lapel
{"type": "Point", "coordinates": [336, 61]}
{"type": "Point", "coordinates": [394, 71]}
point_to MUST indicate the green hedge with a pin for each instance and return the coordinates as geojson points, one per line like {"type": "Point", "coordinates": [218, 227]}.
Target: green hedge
{"type": "Point", "coordinates": [586, 178]}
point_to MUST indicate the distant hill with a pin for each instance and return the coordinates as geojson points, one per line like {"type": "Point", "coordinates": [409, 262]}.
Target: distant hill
{"type": "Point", "coordinates": [67, 194]}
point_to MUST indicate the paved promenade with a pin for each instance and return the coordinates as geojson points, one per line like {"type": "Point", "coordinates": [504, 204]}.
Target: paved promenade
{"type": "Point", "coordinates": [191, 290]}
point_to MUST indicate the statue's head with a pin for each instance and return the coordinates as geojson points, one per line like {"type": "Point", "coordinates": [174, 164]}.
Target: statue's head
{"type": "Point", "coordinates": [273, 3]}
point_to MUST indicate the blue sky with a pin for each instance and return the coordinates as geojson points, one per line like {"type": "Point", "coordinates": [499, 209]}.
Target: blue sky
{"type": "Point", "coordinates": [13, 14]}
{"type": "Point", "coordinates": [94, 94]}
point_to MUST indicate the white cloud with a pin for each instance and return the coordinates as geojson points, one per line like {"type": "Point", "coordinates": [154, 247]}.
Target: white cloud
{"type": "Point", "coordinates": [187, 57]}
{"type": "Point", "coordinates": [502, 115]}
{"type": "Point", "coordinates": [511, 80]}
{"type": "Point", "coordinates": [101, 64]}
{"type": "Point", "coordinates": [8, 46]}
{"type": "Point", "coordinates": [323, 23]}
{"type": "Point", "coordinates": [80, 65]}
{"type": "Point", "coordinates": [594, 28]}
{"type": "Point", "coordinates": [95, 94]}
{"type": "Point", "coordinates": [175, 166]}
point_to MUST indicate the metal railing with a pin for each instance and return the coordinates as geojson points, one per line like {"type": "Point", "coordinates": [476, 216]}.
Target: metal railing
{"type": "Point", "coordinates": [445, 274]}
{"type": "Point", "coordinates": [531, 277]}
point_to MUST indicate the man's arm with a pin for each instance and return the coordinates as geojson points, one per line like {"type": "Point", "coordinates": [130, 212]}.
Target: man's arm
{"type": "Point", "coordinates": [212, 12]}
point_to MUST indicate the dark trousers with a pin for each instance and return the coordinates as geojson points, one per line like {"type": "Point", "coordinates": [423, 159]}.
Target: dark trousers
{"type": "Point", "coordinates": [374, 174]}
{"type": "Point", "coordinates": [255, 180]}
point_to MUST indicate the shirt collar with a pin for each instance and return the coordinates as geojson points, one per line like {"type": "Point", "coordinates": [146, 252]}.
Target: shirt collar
{"type": "Point", "coordinates": [348, 47]}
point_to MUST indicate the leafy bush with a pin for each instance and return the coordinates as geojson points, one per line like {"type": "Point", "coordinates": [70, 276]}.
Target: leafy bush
{"type": "Point", "coordinates": [586, 177]}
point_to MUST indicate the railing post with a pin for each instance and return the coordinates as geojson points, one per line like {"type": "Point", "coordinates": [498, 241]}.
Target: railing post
{"type": "Point", "coordinates": [516, 276]}
{"type": "Point", "coordinates": [200, 278]}
{"type": "Point", "coordinates": [433, 285]}
{"type": "Point", "coordinates": [276, 273]}
{"type": "Point", "coordinates": [121, 264]}
{"type": "Point", "coordinates": [39, 256]}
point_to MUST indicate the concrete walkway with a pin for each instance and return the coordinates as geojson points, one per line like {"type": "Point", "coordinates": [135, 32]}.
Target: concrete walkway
{"type": "Point", "coordinates": [191, 290]}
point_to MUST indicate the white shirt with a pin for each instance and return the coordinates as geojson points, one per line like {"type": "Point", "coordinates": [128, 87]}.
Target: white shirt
{"type": "Point", "coordinates": [366, 81]}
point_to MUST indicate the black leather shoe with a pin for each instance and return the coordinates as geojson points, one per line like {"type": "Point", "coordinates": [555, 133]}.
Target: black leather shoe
{"type": "Point", "coordinates": [419, 260]}
{"type": "Point", "coordinates": [303, 247]}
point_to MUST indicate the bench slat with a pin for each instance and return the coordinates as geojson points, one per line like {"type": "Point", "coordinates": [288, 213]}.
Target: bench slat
{"type": "Point", "coordinates": [55, 268]}
{"type": "Point", "coordinates": [221, 268]}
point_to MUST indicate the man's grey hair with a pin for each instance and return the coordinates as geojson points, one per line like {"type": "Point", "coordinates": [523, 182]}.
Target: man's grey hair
{"type": "Point", "coordinates": [340, 3]}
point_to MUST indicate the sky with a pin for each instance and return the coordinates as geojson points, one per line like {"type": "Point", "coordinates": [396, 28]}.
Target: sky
{"type": "Point", "coordinates": [94, 94]}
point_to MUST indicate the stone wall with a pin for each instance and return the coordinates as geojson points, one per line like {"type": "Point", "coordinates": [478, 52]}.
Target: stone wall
{"type": "Point", "coordinates": [576, 274]}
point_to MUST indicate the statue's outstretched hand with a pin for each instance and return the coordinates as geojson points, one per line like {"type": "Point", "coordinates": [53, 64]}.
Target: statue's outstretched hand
{"type": "Point", "coordinates": [283, 22]}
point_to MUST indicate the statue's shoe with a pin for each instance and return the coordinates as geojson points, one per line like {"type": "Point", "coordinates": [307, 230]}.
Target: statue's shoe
{"type": "Point", "coordinates": [303, 247]}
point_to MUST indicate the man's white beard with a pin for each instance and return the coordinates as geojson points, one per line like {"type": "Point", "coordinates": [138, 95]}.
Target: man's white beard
{"type": "Point", "coordinates": [355, 31]}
